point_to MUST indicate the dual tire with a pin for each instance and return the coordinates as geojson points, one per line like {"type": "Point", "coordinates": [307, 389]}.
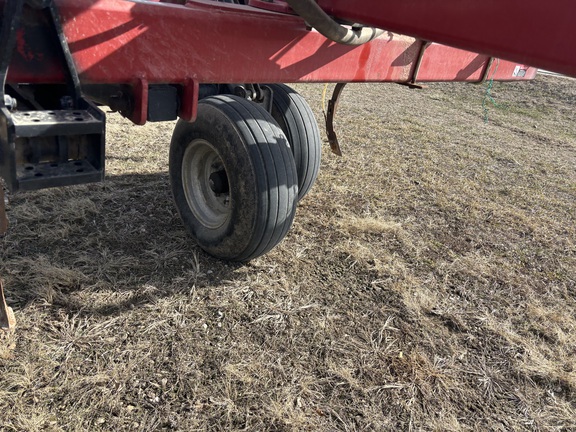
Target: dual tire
{"type": "Point", "coordinates": [238, 171]}
{"type": "Point", "coordinates": [297, 121]}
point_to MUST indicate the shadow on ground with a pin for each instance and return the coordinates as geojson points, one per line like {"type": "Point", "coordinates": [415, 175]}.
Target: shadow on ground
{"type": "Point", "coordinates": [122, 235]}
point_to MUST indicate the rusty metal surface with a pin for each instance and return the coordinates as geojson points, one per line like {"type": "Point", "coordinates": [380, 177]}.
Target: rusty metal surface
{"type": "Point", "coordinates": [330, 131]}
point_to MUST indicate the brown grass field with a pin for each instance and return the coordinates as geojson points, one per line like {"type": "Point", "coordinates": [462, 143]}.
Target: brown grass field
{"type": "Point", "coordinates": [428, 283]}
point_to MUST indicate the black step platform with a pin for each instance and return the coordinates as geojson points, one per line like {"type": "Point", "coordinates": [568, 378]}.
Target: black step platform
{"type": "Point", "coordinates": [49, 148]}
{"type": "Point", "coordinates": [56, 122]}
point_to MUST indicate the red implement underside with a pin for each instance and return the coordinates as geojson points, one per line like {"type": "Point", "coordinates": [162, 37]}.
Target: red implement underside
{"type": "Point", "coordinates": [535, 32]}
{"type": "Point", "coordinates": [116, 41]}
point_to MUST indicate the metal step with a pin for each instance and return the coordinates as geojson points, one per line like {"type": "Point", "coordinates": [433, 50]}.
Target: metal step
{"type": "Point", "coordinates": [51, 148]}
{"type": "Point", "coordinates": [56, 122]}
{"type": "Point", "coordinates": [54, 174]}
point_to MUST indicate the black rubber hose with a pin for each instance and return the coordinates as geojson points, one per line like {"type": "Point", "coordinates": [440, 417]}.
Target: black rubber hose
{"type": "Point", "coordinates": [324, 24]}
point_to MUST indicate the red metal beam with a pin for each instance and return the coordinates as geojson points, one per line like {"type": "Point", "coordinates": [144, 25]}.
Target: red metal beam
{"type": "Point", "coordinates": [535, 32]}
{"type": "Point", "coordinates": [114, 41]}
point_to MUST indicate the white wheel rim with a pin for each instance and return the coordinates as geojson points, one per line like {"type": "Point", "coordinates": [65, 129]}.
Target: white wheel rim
{"type": "Point", "coordinates": [206, 184]}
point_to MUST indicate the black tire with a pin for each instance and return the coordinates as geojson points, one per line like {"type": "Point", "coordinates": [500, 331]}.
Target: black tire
{"type": "Point", "coordinates": [297, 120]}
{"type": "Point", "coordinates": [233, 178]}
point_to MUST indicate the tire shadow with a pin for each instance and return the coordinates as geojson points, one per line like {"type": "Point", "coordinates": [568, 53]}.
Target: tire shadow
{"type": "Point", "coordinates": [123, 236]}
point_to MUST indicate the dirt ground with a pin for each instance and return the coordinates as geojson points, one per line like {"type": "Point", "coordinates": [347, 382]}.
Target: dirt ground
{"type": "Point", "coordinates": [428, 283]}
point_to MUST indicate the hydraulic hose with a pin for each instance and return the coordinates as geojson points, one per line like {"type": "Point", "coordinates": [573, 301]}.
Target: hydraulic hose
{"type": "Point", "coordinates": [325, 25]}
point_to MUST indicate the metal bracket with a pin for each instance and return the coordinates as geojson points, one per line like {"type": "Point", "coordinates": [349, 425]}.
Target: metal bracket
{"type": "Point", "coordinates": [73, 80]}
{"type": "Point", "coordinates": [486, 71]}
{"type": "Point", "coordinates": [425, 44]}
{"type": "Point", "coordinates": [189, 102]}
{"type": "Point", "coordinates": [329, 117]}
{"type": "Point", "coordinates": [139, 114]}
{"type": "Point", "coordinates": [10, 22]}
{"type": "Point", "coordinates": [260, 94]}
{"type": "Point", "coordinates": [263, 96]}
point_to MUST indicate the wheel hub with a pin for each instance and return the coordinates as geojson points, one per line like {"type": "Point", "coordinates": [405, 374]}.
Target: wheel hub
{"type": "Point", "coordinates": [219, 182]}
{"type": "Point", "coordinates": [206, 184]}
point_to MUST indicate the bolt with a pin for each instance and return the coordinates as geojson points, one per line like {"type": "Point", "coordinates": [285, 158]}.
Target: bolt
{"type": "Point", "coordinates": [10, 102]}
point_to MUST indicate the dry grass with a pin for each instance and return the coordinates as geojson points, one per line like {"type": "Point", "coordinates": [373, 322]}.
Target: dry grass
{"type": "Point", "coordinates": [428, 283]}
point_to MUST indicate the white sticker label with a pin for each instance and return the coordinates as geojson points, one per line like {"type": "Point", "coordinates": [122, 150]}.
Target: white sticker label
{"type": "Point", "coordinates": [519, 72]}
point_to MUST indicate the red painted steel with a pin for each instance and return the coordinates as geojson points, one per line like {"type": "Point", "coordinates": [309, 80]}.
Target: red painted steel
{"type": "Point", "coordinates": [276, 6]}
{"type": "Point", "coordinates": [535, 32]}
{"type": "Point", "coordinates": [114, 41]}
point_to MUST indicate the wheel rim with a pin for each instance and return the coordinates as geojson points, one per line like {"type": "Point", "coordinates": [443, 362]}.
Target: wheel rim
{"type": "Point", "coordinates": [206, 184]}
